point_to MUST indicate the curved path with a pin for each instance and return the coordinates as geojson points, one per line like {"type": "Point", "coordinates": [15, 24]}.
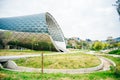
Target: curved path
{"type": "Point", "coordinates": [105, 65]}
{"type": "Point", "coordinates": [101, 54]}
{"type": "Point", "coordinates": [102, 67]}
{"type": "Point", "coordinates": [6, 58]}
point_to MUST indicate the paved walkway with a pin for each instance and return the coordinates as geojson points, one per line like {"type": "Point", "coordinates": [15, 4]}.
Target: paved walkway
{"type": "Point", "coordinates": [94, 53]}
{"type": "Point", "coordinates": [6, 58]}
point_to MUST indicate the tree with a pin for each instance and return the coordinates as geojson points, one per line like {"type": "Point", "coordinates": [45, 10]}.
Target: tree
{"type": "Point", "coordinates": [15, 42]}
{"type": "Point", "coordinates": [111, 42]}
{"type": "Point", "coordinates": [118, 45]}
{"type": "Point", "coordinates": [105, 45]}
{"type": "Point", "coordinates": [98, 45]}
{"type": "Point", "coordinates": [6, 38]}
{"type": "Point", "coordinates": [71, 43]}
{"type": "Point", "coordinates": [33, 41]}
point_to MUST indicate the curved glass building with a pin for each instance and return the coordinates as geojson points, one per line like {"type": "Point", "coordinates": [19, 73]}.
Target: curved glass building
{"type": "Point", "coordinates": [39, 31]}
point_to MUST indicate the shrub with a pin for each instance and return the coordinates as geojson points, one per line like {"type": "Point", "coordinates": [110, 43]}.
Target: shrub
{"type": "Point", "coordinates": [117, 70]}
{"type": "Point", "coordinates": [113, 69]}
{"type": "Point", "coordinates": [115, 52]}
{"type": "Point", "coordinates": [38, 46]}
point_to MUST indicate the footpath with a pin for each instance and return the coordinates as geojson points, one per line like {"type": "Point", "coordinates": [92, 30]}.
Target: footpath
{"type": "Point", "coordinates": [105, 65]}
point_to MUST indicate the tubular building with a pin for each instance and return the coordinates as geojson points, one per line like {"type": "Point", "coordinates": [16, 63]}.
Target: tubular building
{"type": "Point", "coordinates": [39, 32]}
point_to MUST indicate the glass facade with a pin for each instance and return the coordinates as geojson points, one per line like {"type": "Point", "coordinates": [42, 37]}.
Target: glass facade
{"type": "Point", "coordinates": [42, 27]}
{"type": "Point", "coordinates": [32, 23]}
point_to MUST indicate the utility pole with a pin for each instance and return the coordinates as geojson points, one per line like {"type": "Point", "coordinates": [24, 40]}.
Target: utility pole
{"type": "Point", "coordinates": [42, 63]}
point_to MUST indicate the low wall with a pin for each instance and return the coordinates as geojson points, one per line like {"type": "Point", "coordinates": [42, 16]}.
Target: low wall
{"type": "Point", "coordinates": [68, 71]}
{"type": "Point", "coordinates": [65, 71]}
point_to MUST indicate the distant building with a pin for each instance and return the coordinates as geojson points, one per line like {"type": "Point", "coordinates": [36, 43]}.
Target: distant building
{"type": "Point", "coordinates": [75, 38]}
{"type": "Point", "coordinates": [111, 39]}
{"type": "Point", "coordinates": [117, 39]}
{"type": "Point", "coordinates": [88, 40]}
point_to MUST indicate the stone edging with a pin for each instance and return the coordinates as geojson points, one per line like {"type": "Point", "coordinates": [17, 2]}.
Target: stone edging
{"type": "Point", "coordinates": [109, 60]}
{"type": "Point", "coordinates": [65, 71]}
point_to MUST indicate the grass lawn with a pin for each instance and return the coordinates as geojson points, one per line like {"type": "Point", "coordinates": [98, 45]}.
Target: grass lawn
{"type": "Point", "coordinates": [115, 52]}
{"type": "Point", "coordinates": [10, 75]}
{"type": "Point", "coordinates": [21, 52]}
{"type": "Point", "coordinates": [103, 75]}
{"type": "Point", "coordinates": [61, 61]}
{"type": "Point", "coordinates": [116, 60]}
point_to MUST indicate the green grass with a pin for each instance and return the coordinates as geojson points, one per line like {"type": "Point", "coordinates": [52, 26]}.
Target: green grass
{"type": "Point", "coordinates": [21, 52]}
{"type": "Point", "coordinates": [115, 52]}
{"type": "Point", "coordinates": [10, 75]}
{"type": "Point", "coordinates": [61, 61]}
{"type": "Point", "coordinates": [116, 60]}
{"type": "Point", "coordinates": [103, 75]}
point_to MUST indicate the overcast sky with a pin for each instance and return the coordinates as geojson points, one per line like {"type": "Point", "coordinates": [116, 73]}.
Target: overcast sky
{"type": "Point", "coordinates": [93, 19]}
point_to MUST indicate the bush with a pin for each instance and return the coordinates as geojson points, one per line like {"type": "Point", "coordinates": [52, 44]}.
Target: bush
{"type": "Point", "coordinates": [113, 69]}
{"type": "Point", "coordinates": [39, 46]}
{"type": "Point", "coordinates": [115, 52]}
{"type": "Point", "coordinates": [117, 70]}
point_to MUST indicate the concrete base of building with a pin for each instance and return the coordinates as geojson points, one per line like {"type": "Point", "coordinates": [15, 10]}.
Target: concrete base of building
{"type": "Point", "coordinates": [1, 66]}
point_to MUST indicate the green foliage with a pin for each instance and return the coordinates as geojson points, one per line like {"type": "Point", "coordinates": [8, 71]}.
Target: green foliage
{"type": "Point", "coordinates": [37, 46]}
{"type": "Point", "coordinates": [7, 35]}
{"type": "Point", "coordinates": [1, 42]}
{"type": "Point", "coordinates": [78, 44]}
{"type": "Point", "coordinates": [112, 69]}
{"type": "Point", "coordinates": [113, 44]}
{"type": "Point", "coordinates": [115, 52]}
{"type": "Point", "coordinates": [63, 61]}
{"type": "Point", "coordinates": [69, 46]}
{"type": "Point", "coordinates": [10, 52]}
{"type": "Point", "coordinates": [98, 45]}
{"type": "Point", "coordinates": [117, 70]}
{"type": "Point", "coordinates": [11, 75]}
{"type": "Point", "coordinates": [102, 75]}
{"type": "Point", "coordinates": [118, 45]}
{"type": "Point", "coordinates": [105, 45]}
{"type": "Point", "coordinates": [29, 42]}
{"type": "Point", "coordinates": [6, 38]}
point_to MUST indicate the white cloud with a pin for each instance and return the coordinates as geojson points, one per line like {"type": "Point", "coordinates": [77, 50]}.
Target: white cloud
{"type": "Point", "coordinates": [95, 19]}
